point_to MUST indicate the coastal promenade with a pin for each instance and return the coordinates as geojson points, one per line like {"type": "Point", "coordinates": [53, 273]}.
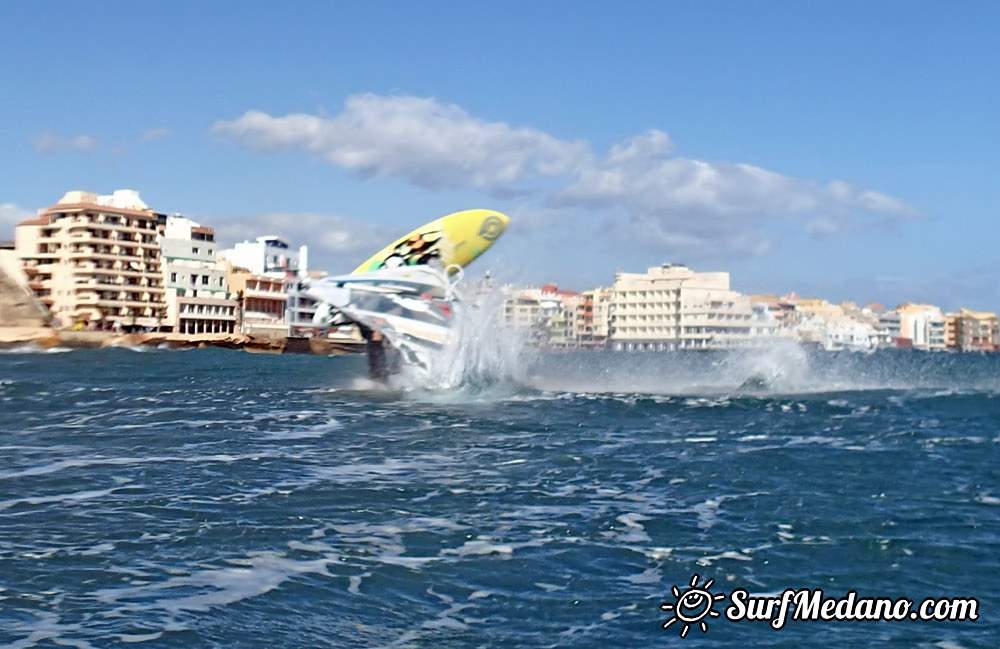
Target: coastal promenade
{"type": "Point", "coordinates": [47, 337]}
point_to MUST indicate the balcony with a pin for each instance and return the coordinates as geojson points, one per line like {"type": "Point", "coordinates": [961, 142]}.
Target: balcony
{"type": "Point", "coordinates": [265, 295]}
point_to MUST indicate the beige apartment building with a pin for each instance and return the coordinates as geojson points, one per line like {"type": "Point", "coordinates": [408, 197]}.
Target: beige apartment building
{"type": "Point", "coordinates": [594, 317]}
{"type": "Point", "coordinates": [976, 331]}
{"type": "Point", "coordinates": [94, 261]}
{"type": "Point", "coordinates": [673, 307]}
{"type": "Point", "coordinates": [264, 301]}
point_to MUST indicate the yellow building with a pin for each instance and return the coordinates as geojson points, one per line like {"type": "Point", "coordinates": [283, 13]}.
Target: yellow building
{"type": "Point", "coordinates": [95, 261]}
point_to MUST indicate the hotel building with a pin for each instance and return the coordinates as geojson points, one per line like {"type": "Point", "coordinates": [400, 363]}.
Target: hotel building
{"type": "Point", "coordinates": [95, 261]}
{"type": "Point", "coordinates": [673, 307]}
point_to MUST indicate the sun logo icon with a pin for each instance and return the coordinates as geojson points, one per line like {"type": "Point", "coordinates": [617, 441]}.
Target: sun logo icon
{"type": "Point", "coordinates": [692, 606]}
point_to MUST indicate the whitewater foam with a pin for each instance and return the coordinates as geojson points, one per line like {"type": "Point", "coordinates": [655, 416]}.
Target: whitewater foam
{"type": "Point", "coordinates": [481, 354]}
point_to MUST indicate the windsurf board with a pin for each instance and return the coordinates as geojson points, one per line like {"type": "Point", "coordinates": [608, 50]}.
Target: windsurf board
{"type": "Point", "coordinates": [448, 241]}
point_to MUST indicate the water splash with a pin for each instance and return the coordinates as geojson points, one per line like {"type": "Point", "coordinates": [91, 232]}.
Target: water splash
{"type": "Point", "coordinates": [779, 368]}
{"type": "Point", "coordinates": [481, 354]}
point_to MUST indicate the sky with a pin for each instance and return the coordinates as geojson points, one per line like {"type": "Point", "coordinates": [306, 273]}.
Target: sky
{"type": "Point", "coordinates": [847, 150]}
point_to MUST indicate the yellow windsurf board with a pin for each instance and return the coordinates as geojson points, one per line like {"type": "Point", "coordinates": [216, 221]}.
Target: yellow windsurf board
{"type": "Point", "coordinates": [452, 240]}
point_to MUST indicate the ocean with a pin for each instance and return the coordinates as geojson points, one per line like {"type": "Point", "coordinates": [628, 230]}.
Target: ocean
{"type": "Point", "coordinates": [216, 498]}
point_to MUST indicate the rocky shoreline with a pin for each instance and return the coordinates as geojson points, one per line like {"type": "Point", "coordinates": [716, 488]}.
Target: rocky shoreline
{"type": "Point", "coordinates": [48, 338]}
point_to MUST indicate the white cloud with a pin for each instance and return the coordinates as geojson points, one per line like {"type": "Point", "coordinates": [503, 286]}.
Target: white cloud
{"type": "Point", "coordinates": [429, 143]}
{"type": "Point", "coordinates": [867, 200]}
{"type": "Point", "coordinates": [823, 226]}
{"type": "Point", "coordinates": [682, 204]}
{"type": "Point", "coordinates": [662, 200]}
{"type": "Point", "coordinates": [48, 143]}
{"type": "Point", "coordinates": [10, 216]}
{"type": "Point", "coordinates": [642, 174]}
{"type": "Point", "coordinates": [692, 239]}
{"type": "Point", "coordinates": [153, 134]}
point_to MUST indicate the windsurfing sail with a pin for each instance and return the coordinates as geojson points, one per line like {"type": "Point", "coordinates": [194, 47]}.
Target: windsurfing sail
{"type": "Point", "coordinates": [405, 293]}
{"type": "Point", "coordinates": [451, 241]}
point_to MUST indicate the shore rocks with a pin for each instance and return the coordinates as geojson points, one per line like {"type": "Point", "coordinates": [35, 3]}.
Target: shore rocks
{"type": "Point", "coordinates": [48, 338]}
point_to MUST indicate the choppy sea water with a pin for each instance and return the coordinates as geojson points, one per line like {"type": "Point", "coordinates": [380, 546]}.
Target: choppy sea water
{"type": "Point", "coordinates": [212, 498]}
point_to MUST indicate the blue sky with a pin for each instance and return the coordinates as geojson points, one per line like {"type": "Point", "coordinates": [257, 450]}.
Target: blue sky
{"type": "Point", "coordinates": [847, 150]}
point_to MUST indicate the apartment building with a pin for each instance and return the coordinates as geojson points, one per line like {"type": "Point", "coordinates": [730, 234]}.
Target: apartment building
{"type": "Point", "coordinates": [547, 313]}
{"type": "Point", "coordinates": [94, 261]}
{"type": "Point", "coordinates": [594, 317]}
{"type": "Point", "coordinates": [264, 301]}
{"type": "Point", "coordinates": [923, 325]}
{"type": "Point", "coordinates": [563, 324]}
{"type": "Point", "coordinates": [780, 310]}
{"type": "Point", "coordinates": [197, 294]}
{"type": "Point", "coordinates": [951, 330]}
{"type": "Point", "coordinates": [272, 258]}
{"type": "Point", "coordinates": [673, 307]}
{"type": "Point", "coordinates": [976, 331]}
{"type": "Point", "coordinates": [888, 329]}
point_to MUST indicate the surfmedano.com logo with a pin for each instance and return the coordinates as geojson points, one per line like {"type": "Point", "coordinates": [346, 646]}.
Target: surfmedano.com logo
{"type": "Point", "coordinates": [693, 605]}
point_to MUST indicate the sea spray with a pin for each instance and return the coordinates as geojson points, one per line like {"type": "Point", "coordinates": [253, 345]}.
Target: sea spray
{"type": "Point", "coordinates": [781, 366]}
{"type": "Point", "coordinates": [778, 366]}
{"type": "Point", "coordinates": [481, 352]}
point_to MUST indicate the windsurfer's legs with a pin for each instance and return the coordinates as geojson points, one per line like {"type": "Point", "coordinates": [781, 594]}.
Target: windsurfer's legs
{"type": "Point", "coordinates": [378, 369]}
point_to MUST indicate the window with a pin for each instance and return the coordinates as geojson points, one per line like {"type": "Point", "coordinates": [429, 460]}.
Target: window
{"type": "Point", "coordinates": [173, 277]}
{"type": "Point", "coordinates": [194, 251]}
{"type": "Point", "coordinates": [204, 280]}
{"type": "Point", "coordinates": [194, 280]}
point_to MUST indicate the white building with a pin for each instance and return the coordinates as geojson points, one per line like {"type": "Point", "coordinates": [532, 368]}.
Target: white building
{"type": "Point", "coordinates": [673, 307]}
{"type": "Point", "coordinates": [923, 325]}
{"type": "Point", "coordinates": [887, 329]}
{"type": "Point", "coordinates": [271, 257]}
{"type": "Point", "coordinates": [835, 327]}
{"type": "Point", "coordinates": [300, 310]}
{"type": "Point", "coordinates": [198, 298]}
{"type": "Point", "coordinates": [849, 334]}
{"type": "Point", "coordinates": [268, 255]}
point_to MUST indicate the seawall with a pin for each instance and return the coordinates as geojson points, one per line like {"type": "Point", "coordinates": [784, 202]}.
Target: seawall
{"type": "Point", "coordinates": [47, 337]}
